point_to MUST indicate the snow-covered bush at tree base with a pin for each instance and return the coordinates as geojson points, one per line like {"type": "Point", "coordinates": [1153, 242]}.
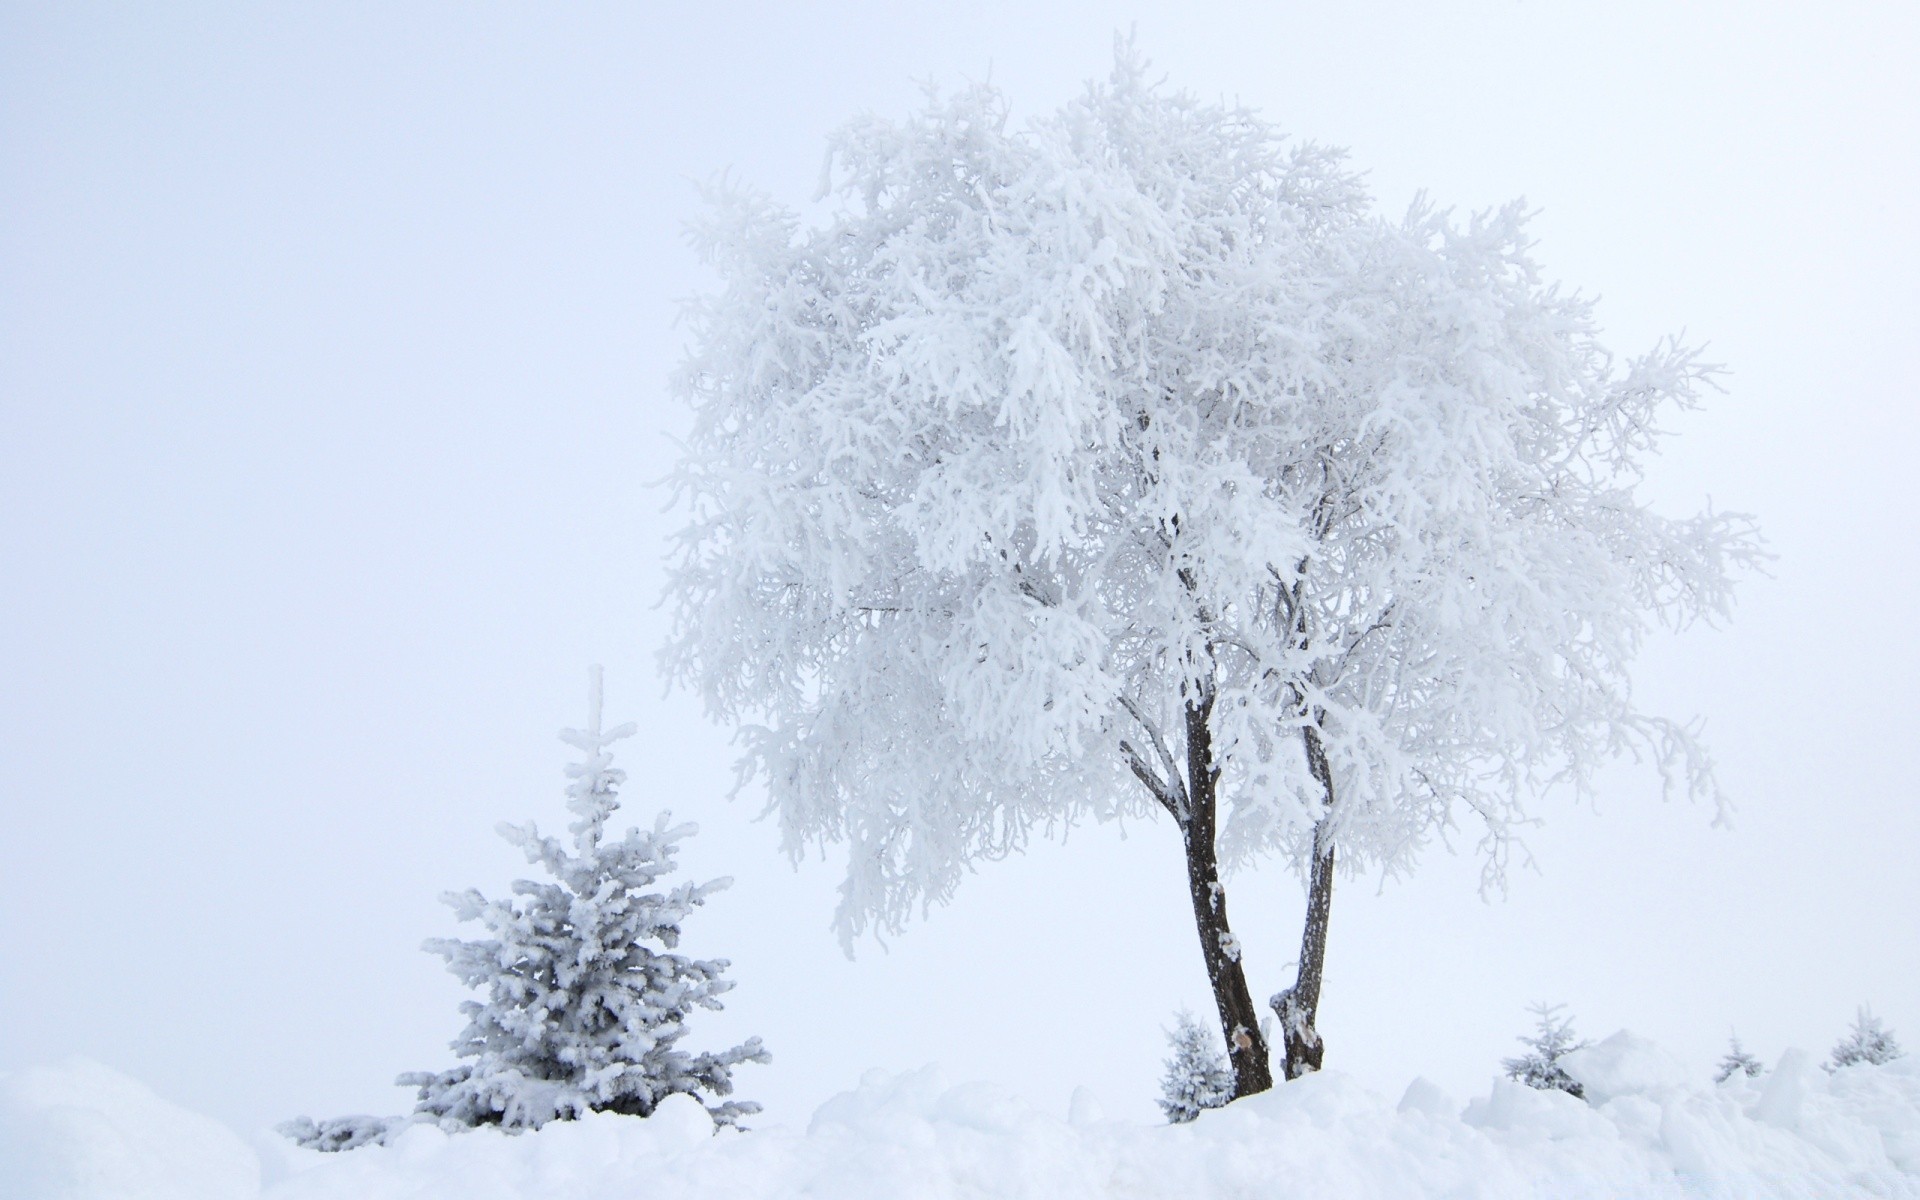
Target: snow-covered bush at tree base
{"type": "Point", "coordinates": [1869, 1041]}
{"type": "Point", "coordinates": [1196, 1076]}
{"type": "Point", "coordinates": [1551, 1040]}
{"type": "Point", "coordinates": [1126, 461]}
{"type": "Point", "coordinates": [1736, 1061]}
{"type": "Point", "coordinates": [585, 1005]}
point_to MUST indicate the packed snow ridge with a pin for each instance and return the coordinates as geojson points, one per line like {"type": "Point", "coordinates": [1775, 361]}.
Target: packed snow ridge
{"type": "Point", "coordinates": [1647, 1128]}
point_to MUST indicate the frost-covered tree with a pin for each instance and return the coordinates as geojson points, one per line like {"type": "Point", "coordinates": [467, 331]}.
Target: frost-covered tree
{"type": "Point", "coordinates": [1126, 460]}
{"type": "Point", "coordinates": [1540, 1066]}
{"type": "Point", "coordinates": [1197, 1075]}
{"type": "Point", "coordinates": [585, 1005]}
{"type": "Point", "coordinates": [1869, 1041]}
{"type": "Point", "coordinates": [1736, 1061]}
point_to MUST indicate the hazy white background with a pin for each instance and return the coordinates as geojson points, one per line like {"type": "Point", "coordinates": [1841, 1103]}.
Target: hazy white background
{"type": "Point", "coordinates": [332, 347]}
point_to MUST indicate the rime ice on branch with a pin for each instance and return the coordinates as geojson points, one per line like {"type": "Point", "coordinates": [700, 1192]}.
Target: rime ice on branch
{"type": "Point", "coordinates": [1126, 460]}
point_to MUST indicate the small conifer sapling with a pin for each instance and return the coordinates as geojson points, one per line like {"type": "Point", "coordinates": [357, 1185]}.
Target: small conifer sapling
{"type": "Point", "coordinates": [1869, 1041]}
{"type": "Point", "coordinates": [1736, 1061]}
{"type": "Point", "coordinates": [1540, 1066]}
{"type": "Point", "coordinates": [1197, 1074]}
{"type": "Point", "coordinates": [585, 1003]}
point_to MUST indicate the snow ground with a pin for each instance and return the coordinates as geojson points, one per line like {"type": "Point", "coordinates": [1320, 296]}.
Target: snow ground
{"type": "Point", "coordinates": [79, 1131]}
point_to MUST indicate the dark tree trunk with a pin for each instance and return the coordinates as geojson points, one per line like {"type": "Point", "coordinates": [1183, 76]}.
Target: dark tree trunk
{"type": "Point", "coordinates": [1299, 1006]}
{"type": "Point", "coordinates": [1190, 793]}
{"type": "Point", "coordinates": [1239, 1020]}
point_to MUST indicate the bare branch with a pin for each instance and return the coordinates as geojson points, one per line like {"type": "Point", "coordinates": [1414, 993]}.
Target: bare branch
{"type": "Point", "coordinates": [1176, 786]}
{"type": "Point", "coordinates": [1385, 622]}
{"type": "Point", "coordinates": [1158, 786]}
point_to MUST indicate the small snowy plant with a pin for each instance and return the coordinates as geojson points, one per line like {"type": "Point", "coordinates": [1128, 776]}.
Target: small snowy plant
{"type": "Point", "coordinates": [1540, 1066]}
{"type": "Point", "coordinates": [584, 1002]}
{"type": "Point", "coordinates": [1197, 1074]}
{"type": "Point", "coordinates": [1736, 1062]}
{"type": "Point", "coordinates": [342, 1133]}
{"type": "Point", "coordinates": [1868, 1041]}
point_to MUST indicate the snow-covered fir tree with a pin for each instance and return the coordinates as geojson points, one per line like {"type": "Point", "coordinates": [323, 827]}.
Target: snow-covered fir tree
{"type": "Point", "coordinates": [583, 1013]}
{"type": "Point", "coordinates": [1736, 1061]}
{"type": "Point", "coordinates": [1197, 1075]}
{"type": "Point", "coordinates": [585, 1004]}
{"type": "Point", "coordinates": [1869, 1041]}
{"type": "Point", "coordinates": [1540, 1066]}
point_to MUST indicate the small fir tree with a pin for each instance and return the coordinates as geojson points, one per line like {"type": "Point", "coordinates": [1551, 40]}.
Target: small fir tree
{"type": "Point", "coordinates": [1197, 1075]}
{"type": "Point", "coordinates": [1736, 1062]}
{"type": "Point", "coordinates": [1868, 1041]}
{"type": "Point", "coordinates": [582, 1013]}
{"type": "Point", "coordinates": [585, 1005]}
{"type": "Point", "coordinates": [1540, 1066]}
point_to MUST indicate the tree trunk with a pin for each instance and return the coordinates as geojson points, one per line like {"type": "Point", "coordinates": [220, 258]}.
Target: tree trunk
{"type": "Point", "coordinates": [1239, 1021]}
{"type": "Point", "coordinates": [1299, 1005]}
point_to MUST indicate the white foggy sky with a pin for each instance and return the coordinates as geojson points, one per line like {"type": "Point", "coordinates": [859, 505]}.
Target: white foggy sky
{"type": "Point", "coordinates": [332, 347]}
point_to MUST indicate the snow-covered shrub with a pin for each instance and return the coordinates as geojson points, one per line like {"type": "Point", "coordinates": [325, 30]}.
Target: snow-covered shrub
{"type": "Point", "coordinates": [1197, 1075]}
{"type": "Point", "coordinates": [1736, 1061]}
{"type": "Point", "coordinates": [1868, 1041]}
{"type": "Point", "coordinates": [1540, 1066]}
{"type": "Point", "coordinates": [585, 1005]}
{"type": "Point", "coordinates": [342, 1133]}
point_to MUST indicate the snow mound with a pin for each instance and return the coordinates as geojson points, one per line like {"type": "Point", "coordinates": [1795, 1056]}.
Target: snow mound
{"type": "Point", "coordinates": [1648, 1132]}
{"type": "Point", "coordinates": [1626, 1064]}
{"type": "Point", "coordinates": [79, 1131]}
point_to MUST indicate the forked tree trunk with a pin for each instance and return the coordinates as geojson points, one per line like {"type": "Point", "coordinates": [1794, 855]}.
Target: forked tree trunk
{"type": "Point", "coordinates": [1239, 1020]}
{"type": "Point", "coordinates": [1299, 1006]}
{"type": "Point", "coordinates": [1190, 793]}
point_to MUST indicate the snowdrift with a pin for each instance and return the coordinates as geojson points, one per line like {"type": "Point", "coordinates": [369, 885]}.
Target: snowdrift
{"type": "Point", "coordinates": [1647, 1129]}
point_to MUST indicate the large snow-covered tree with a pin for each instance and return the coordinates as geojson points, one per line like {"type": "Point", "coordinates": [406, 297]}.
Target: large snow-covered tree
{"type": "Point", "coordinates": [1125, 459]}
